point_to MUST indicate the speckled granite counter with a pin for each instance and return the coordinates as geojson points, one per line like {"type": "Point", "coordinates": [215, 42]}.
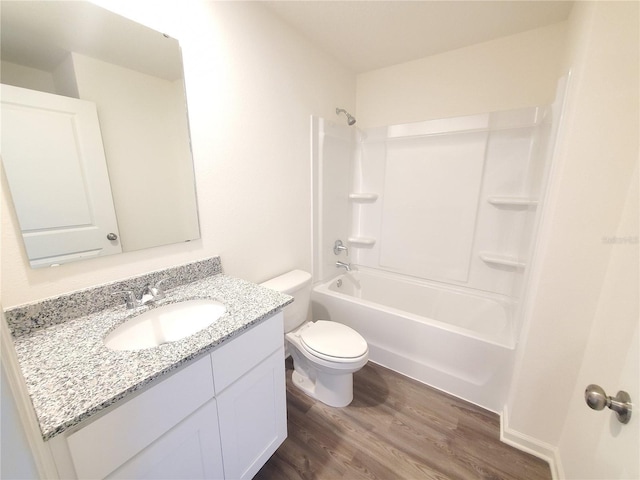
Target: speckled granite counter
{"type": "Point", "coordinates": [71, 375]}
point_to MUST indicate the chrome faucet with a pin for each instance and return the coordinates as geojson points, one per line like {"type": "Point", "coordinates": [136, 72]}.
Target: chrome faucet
{"type": "Point", "coordinates": [149, 294]}
{"type": "Point", "coordinates": [346, 266]}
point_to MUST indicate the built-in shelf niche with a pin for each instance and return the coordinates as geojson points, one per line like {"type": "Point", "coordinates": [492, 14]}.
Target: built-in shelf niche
{"type": "Point", "coordinates": [363, 197]}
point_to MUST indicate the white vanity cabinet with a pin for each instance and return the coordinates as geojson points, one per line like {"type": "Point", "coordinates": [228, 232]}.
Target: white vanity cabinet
{"type": "Point", "coordinates": [251, 393]}
{"type": "Point", "coordinates": [221, 416]}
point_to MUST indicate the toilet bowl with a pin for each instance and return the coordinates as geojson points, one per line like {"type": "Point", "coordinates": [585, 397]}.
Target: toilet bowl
{"type": "Point", "coordinates": [325, 354]}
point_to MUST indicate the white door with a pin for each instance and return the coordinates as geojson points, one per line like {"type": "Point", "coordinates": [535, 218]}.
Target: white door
{"type": "Point", "coordinates": [594, 444]}
{"type": "Point", "coordinates": [54, 160]}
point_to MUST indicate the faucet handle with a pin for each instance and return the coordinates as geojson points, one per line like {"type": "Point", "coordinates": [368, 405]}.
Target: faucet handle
{"type": "Point", "coordinates": [129, 297]}
{"type": "Point", "coordinates": [156, 291]}
{"type": "Point", "coordinates": [338, 247]}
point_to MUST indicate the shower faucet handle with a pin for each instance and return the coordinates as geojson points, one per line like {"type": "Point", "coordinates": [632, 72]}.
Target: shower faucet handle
{"type": "Point", "coordinates": [338, 247]}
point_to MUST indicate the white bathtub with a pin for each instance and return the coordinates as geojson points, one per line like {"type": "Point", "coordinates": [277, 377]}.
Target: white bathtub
{"type": "Point", "coordinates": [456, 341]}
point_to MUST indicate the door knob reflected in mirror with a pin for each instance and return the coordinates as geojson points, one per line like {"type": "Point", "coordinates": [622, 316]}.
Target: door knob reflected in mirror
{"type": "Point", "coordinates": [597, 399]}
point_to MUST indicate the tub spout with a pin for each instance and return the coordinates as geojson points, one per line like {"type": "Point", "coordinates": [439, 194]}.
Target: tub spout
{"type": "Point", "coordinates": [346, 266]}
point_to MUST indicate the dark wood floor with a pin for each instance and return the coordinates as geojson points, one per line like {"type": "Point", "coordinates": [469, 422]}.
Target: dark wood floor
{"type": "Point", "coordinates": [396, 428]}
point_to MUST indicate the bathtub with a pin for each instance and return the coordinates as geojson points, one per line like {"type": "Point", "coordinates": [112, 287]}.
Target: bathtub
{"type": "Point", "coordinates": [454, 340]}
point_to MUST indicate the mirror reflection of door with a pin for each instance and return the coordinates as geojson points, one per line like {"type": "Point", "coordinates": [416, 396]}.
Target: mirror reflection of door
{"type": "Point", "coordinates": [133, 74]}
{"type": "Point", "coordinates": [54, 161]}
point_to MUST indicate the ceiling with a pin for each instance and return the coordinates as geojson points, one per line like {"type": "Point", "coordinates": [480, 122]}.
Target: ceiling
{"type": "Point", "coordinates": [366, 35]}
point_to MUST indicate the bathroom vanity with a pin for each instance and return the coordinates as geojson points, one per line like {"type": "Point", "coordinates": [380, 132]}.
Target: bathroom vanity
{"type": "Point", "coordinates": [221, 416]}
{"type": "Point", "coordinates": [211, 405]}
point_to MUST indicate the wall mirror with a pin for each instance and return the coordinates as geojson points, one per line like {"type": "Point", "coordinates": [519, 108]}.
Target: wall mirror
{"type": "Point", "coordinates": [95, 138]}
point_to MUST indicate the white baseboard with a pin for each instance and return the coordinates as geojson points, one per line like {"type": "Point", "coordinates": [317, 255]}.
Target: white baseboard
{"type": "Point", "coordinates": [531, 445]}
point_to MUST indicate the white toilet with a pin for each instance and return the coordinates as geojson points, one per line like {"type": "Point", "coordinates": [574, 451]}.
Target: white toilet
{"type": "Point", "coordinates": [325, 354]}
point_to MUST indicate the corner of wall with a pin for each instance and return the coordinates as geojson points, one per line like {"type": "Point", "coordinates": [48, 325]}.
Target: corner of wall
{"type": "Point", "coordinates": [530, 445]}
{"type": "Point", "coordinates": [38, 450]}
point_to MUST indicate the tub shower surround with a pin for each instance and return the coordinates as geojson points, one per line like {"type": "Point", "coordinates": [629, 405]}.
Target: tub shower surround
{"type": "Point", "coordinates": [440, 221]}
{"type": "Point", "coordinates": [71, 375]}
{"type": "Point", "coordinates": [456, 200]}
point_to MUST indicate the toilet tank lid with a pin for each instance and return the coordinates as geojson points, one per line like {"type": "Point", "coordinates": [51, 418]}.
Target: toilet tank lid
{"type": "Point", "coordinates": [288, 282]}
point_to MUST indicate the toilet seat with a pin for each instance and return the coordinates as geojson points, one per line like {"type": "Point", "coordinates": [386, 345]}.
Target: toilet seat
{"type": "Point", "coordinates": [333, 341]}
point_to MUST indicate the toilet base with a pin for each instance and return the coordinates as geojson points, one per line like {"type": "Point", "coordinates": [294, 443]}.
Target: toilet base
{"type": "Point", "coordinates": [333, 390]}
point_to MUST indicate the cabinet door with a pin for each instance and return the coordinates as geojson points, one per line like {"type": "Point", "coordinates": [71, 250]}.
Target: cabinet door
{"type": "Point", "coordinates": [110, 441]}
{"type": "Point", "coordinates": [253, 417]}
{"type": "Point", "coordinates": [191, 450]}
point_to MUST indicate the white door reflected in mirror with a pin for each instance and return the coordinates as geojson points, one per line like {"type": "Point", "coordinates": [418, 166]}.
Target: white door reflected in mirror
{"type": "Point", "coordinates": [54, 160]}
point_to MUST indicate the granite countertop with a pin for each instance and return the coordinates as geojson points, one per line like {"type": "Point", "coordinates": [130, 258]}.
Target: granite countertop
{"type": "Point", "coordinates": [71, 375]}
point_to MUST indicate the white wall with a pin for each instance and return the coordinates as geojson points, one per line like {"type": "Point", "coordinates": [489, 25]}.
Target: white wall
{"type": "Point", "coordinates": [64, 77]}
{"type": "Point", "coordinates": [23, 453]}
{"type": "Point", "coordinates": [507, 73]}
{"type": "Point", "coordinates": [595, 163]}
{"type": "Point", "coordinates": [151, 181]}
{"type": "Point", "coordinates": [16, 460]}
{"type": "Point", "coordinates": [26, 77]}
{"type": "Point", "coordinates": [252, 83]}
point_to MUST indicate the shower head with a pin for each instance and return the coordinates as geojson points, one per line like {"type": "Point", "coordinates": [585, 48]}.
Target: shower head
{"type": "Point", "coordinates": [350, 118]}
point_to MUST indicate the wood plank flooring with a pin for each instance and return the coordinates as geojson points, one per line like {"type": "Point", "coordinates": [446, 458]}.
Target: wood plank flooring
{"type": "Point", "coordinates": [396, 428]}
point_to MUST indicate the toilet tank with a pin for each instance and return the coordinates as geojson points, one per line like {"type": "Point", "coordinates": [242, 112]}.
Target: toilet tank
{"type": "Point", "coordinates": [296, 283]}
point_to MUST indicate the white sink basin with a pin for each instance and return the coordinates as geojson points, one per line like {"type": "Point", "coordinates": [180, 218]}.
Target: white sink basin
{"type": "Point", "coordinates": [165, 324]}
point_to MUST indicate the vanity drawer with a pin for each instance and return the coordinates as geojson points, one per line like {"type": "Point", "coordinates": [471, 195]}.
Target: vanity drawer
{"type": "Point", "coordinates": [234, 359]}
{"type": "Point", "coordinates": [131, 427]}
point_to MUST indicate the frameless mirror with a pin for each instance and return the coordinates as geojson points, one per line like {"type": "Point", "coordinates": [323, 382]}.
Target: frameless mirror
{"type": "Point", "coordinates": [95, 138]}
